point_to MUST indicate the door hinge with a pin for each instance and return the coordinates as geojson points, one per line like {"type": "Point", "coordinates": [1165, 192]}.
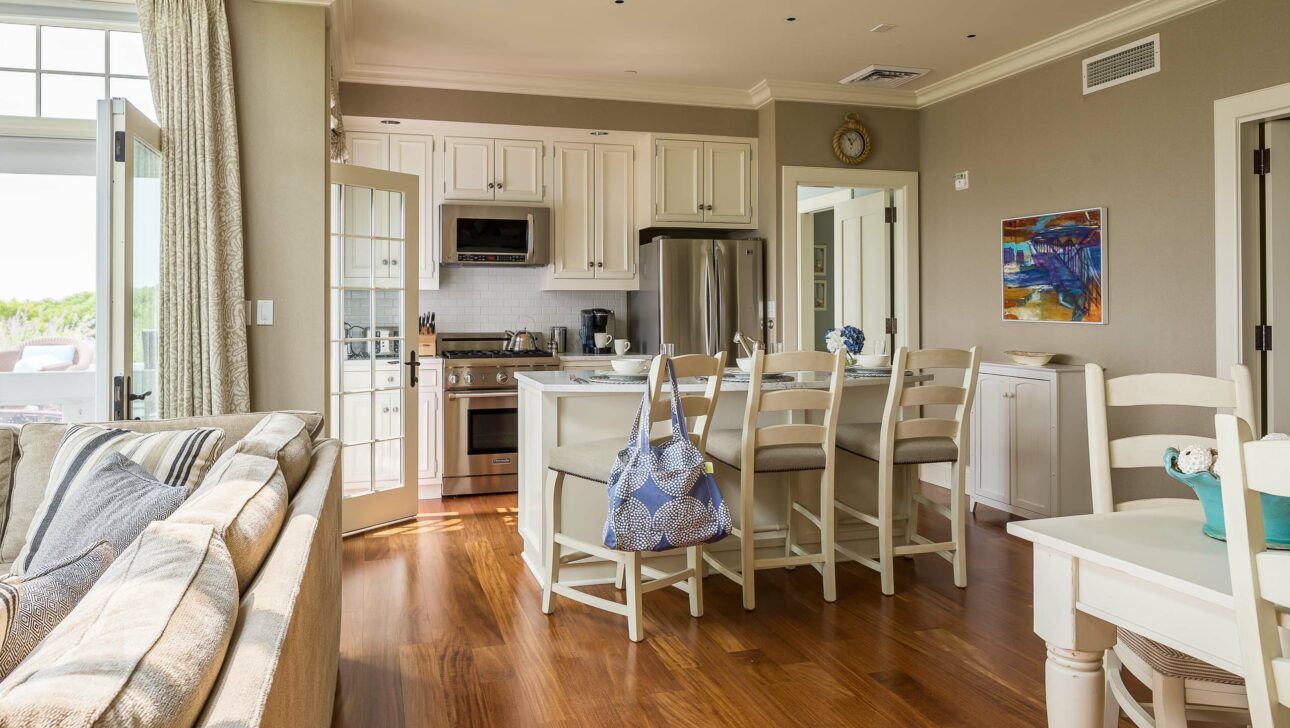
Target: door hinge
{"type": "Point", "coordinates": [1263, 337]}
{"type": "Point", "coordinates": [118, 147]}
{"type": "Point", "coordinates": [1262, 161]}
{"type": "Point", "coordinates": [891, 325]}
{"type": "Point", "coordinates": [889, 214]}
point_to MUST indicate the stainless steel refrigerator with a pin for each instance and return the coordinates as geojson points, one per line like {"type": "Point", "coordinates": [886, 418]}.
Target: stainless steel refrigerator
{"type": "Point", "coordinates": [695, 294]}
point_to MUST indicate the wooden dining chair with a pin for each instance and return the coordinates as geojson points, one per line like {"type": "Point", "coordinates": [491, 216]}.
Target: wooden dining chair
{"type": "Point", "coordinates": [1182, 686]}
{"type": "Point", "coordinates": [783, 448]}
{"type": "Point", "coordinates": [910, 442]}
{"type": "Point", "coordinates": [1260, 577]}
{"type": "Point", "coordinates": [593, 461]}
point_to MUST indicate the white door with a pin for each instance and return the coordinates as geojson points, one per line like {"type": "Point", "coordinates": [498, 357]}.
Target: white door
{"type": "Point", "coordinates": [574, 211]}
{"type": "Point", "coordinates": [1276, 222]}
{"type": "Point", "coordinates": [133, 226]}
{"type": "Point", "coordinates": [468, 169]}
{"type": "Point", "coordinates": [727, 182]}
{"type": "Point", "coordinates": [861, 265]}
{"type": "Point", "coordinates": [1032, 433]}
{"type": "Point", "coordinates": [518, 174]}
{"type": "Point", "coordinates": [993, 466]}
{"type": "Point", "coordinates": [615, 232]}
{"type": "Point", "coordinates": [679, 193]}
{"type": "Point", "coordinates": [412, 154]}
{"type": "Point", "coordinates": [368, 149]}
{"type": "Point", "coordinates": [373, 400]}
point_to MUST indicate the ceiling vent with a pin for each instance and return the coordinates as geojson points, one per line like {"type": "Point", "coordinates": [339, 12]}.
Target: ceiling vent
{"type": "Point", "coordinates": [885, 76]}
{"type": "Point", "coordinates": [1118, 65]}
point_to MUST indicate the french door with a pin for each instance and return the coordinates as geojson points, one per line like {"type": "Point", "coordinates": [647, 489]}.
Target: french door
{"type": "Point", "coordinates": [129, 152]}
{"type": "Point", "coordinates": [373, 297]}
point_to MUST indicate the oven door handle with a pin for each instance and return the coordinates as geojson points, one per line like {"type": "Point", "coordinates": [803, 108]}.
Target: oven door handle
{"type": "Point", "coordinates": [481, 395]}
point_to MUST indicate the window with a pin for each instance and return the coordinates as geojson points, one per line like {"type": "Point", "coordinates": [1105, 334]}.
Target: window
{"type": "Point", "coordinates": [61, 71]}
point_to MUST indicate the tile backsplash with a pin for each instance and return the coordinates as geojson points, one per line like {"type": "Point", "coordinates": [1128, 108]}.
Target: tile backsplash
{"type": "Point", "coordinates": [497, 299]}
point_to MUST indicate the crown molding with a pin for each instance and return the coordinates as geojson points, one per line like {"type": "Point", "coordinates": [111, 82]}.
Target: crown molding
{"type": "Point", "coordinates": [830, 93]}
{"type": "Point", "coordinates": [1108, 27]}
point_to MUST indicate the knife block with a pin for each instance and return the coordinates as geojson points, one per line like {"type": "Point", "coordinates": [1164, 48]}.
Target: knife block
{"type": "Point", "coordinates": [428, 345]}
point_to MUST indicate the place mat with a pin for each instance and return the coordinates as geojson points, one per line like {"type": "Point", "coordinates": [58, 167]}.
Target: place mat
{"type": "Point", "coordinates": [865, 372]}
{"type": "Point", "coordinates": [616, 378]}
{"type": "Point", "coordinates": [734, 374]}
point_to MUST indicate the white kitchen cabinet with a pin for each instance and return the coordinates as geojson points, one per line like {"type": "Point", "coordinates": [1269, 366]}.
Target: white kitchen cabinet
{"type": "Point", "coordinates": [430, 427]}
{"type": "Point", "coordinates": [703, 182]}
{"type": "Point", "coordinates": [573, 253]}
{"type": "Point", "coordinates": [616, 245]}
{"type": "Point", "coordinates": [368, 149]}
{"type": "Point", "coordinates": [727, 183]}
{"type": "Point", "coordinates": [593, 211]}
{"type": "Point", "coordinates": [1029, 441]}
{"type": "Point", "coordinates": [679, 193]}
{"type": "Point", "coordinates": [412, 154]}
{"type": "Point", "coordinates": [493, 169]}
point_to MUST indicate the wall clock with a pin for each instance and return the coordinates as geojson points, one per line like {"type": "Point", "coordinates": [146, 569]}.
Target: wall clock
{"type": "Point", "coordinates": [851, 142]}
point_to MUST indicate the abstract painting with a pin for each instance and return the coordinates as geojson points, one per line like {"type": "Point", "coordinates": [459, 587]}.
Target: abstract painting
{"type": "Point", "coordinates": [1053, 266]}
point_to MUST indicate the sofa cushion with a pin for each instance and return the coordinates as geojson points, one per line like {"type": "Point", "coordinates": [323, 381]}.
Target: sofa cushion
{"type": "Point", "coordinates": [280, 437]}
{"type": "Point", "coordinates": [118, 500]}
{"type": "Point", "coordinates": [245, 498]}
{"type": "Point", "coordinates": [8, 460]}
{"type": "Point", "coordinates": [32, 606]}
{"type": "Point", "coordinates": [178, 458]}
{"type": "Point", "coordinates": [143, 647]}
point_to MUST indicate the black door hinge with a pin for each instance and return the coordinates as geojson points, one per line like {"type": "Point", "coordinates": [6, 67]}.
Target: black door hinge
{"type": "Point", "coordinates": [1262, 337]}
{"type": "Point", "coordinates": [889, 214]}
{"type": "Point", "coordinates": [1262, 161]}
{"type": "Point", "coordinates": [891, 325]}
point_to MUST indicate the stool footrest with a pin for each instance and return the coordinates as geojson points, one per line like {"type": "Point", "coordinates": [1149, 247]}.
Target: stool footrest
{"type": "Point", "coordinates": [588, 548]}
{"type": "Point", "coordinates": [856, 514]}
{"type": "Point", "coordinates": [569, 592]}
{"type": "Point", "coordinates": [722, 569]}
{"type": "Point", "coordinates": [666, 581]}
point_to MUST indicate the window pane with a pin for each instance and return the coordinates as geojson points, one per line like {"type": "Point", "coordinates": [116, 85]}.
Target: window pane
{"type": "Point", "coordinates": [137, 91]}
{"type": "Point", "coordinates": [17, 46]}
{"type": "Point", "coordinates": [71, 49]}
{"type": "Point", "coordinates": [125, 54]}
{"type": "Point", "coordinates": [17, 94]}
{"type": "Point", "coordinates": [70, 97]}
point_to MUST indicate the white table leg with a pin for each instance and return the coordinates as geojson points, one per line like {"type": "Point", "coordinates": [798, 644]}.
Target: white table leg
{"type": "Point", "coordinates": [1076, 688]}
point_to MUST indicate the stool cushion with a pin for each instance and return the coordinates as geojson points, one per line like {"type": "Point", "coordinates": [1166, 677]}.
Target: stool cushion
{"type": "Point", "coordinates": [726, 446]}
{"type": "Point", "coordinates": [1172, 663]}
{"type": "Point", "coordinates": [864, 440]}
{"type": "Point", "coordinates": [591, 460]}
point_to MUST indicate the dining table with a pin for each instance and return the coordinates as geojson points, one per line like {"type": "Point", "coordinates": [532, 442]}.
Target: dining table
{"type": "Point", "coordinates": [1148, 570]}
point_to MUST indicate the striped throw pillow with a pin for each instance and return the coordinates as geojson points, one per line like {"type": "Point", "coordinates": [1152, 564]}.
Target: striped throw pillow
{"type": "Point", "coordinates": [178, 458]}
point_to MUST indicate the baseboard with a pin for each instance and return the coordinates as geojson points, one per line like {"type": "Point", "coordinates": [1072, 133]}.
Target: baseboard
{"type": "Point", "coordinates": [428, 491]}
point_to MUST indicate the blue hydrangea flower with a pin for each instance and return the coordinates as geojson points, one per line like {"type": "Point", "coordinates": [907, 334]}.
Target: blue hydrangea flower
{"type": "Point", "coordinates": [848, 337]}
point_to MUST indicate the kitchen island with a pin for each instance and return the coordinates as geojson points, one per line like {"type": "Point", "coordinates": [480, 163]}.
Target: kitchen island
{"type": "Point", "coordinates": [565, 407]}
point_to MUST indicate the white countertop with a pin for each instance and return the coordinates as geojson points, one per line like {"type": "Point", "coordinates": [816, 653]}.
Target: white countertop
{"type": "Point", "coordinates": [569, 383]}
{"type": "Point", "coordinates": [600, 357]}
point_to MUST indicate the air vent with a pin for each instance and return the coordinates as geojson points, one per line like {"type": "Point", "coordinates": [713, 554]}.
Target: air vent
{"type": "Point", "coordinates": [885, 76]}
{"type": "Point", "coordinates": [1118, 65]}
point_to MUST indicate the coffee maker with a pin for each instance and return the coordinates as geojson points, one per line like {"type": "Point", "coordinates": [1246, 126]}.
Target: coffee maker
{"type": "Point", "coordinates": [596, 321]}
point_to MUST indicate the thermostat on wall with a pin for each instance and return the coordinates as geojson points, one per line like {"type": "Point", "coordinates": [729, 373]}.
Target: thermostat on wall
{"type": "Point", "coordinates": [960, 180]}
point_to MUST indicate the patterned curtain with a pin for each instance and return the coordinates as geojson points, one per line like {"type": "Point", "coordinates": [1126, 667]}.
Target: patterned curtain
{"type": "Point", "coordinates": [203, 322]}
{"type": "Point", "coordinates": [339, 152]}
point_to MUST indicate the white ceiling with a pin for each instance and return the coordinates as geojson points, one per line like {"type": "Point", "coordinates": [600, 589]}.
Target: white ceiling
{"type": "Point", "coordinates": [718, 45]}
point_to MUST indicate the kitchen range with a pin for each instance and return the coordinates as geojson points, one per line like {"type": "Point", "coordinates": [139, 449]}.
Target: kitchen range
{"type": "Point", "coordinates": [481, 423]}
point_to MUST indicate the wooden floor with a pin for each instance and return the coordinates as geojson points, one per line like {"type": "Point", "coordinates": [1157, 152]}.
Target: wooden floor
{"type": "Point", "coordinates": [442, 627]}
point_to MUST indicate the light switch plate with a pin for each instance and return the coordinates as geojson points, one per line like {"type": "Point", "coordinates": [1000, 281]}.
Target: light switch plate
{"type": "Point", "coordinates": [960, 181]}
{"type": "Point", "coordinates": [264, 313]}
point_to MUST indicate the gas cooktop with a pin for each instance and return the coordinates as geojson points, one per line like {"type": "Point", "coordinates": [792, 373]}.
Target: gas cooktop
{"type": "Point", "coordinates": [495, 354]}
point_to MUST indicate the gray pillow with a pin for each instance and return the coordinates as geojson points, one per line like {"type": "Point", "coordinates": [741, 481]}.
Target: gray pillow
{"type": "Point", "coordinates": [31, 606]}
{"type": "Point", "coordinates": [118, 500]}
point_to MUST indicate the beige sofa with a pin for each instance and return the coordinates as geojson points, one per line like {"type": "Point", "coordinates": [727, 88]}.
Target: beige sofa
{"type": "Point", "coordinates": [281, 665]}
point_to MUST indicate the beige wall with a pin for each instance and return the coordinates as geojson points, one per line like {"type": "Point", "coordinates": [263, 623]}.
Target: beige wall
{"type": "Point", "coordinates": [405, 102]}
{"type": "Point", "coordinates": [280, 66]}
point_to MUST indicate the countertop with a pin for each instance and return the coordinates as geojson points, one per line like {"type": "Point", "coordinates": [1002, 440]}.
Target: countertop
{"type": "Point", "coordinates": [555, 382]}
{"type": "Point", "coordinates": [600, 357]}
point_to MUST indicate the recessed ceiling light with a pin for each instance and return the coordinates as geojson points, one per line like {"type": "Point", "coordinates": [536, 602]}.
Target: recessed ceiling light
{"type": "Point", "coordinates": [790, 18]}
{"type": "Point", "coordinates": [631, 72]}
{"type": "Point", "coordinates": [619, 2]}
{"type": "Point", "coordinates": [391, 122]}
{"type": "Point", "coordinates": [971, 35]}
{"type": "Point", "coordinates": [882, 28]}
{"type": "Point", "coordinates": [600, 133]}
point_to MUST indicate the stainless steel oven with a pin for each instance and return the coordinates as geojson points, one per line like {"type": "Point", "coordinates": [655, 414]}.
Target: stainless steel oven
{"type": "Point", "coordinates": [495, 235]}
{"type": "Point", "coordinates": [481, 442]}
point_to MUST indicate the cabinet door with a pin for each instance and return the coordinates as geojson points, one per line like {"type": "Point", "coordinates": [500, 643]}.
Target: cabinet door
{"type": "Point", "coordinates": [368, 149]}
{"type": "Point", "coordinates": [994, 464]}
{"type": "Point", "coordinates": [428, 449]}
{"type": "Point", "coordinates": [678, 193]}
{"type": "Point", "coordinates": [574, 242]}
{"type": "Point", "coordinates": [518, 173]}
{"type": "Point", "coordinates": [1032, 437]}
{"type": "Point", "coordinates": [727, 182]}
{"type": "Point", "coordinates": [615, 236]}
{"type": "Point", "coordinates": [468, 168]}
{"type": "Point", "coordinates": [412, 154]}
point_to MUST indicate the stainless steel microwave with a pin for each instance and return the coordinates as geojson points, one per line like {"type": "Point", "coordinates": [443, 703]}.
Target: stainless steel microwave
{"type": "Point", "coordinates": [494, 235]}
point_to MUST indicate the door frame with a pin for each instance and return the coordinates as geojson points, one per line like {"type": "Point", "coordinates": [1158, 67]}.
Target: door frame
{"type": "Point", "coordinates": [795, 259]}
{"type": "Point", "coordinates": [1230, 114]}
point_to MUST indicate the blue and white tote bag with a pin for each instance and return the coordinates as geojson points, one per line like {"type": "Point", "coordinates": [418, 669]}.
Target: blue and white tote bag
{"type": "Point", "coordinates": [663, 497]}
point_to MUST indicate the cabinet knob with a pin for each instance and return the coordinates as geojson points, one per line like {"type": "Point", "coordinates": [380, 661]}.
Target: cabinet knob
{"type": "Point", "coordinates": [499, 185]}
{"type": "Point", "coordinates": [385, 261]}
{"type": "Point", "coordinates": [490, 185]}
{"type": "Point", "coordinates": [708, 207]}
{"type": "Point", "coordinates": [591, 264]}
{"type": "Point", "coordinates": [600, 264]}
{"type": "Point", "coordinates": [394, 261]}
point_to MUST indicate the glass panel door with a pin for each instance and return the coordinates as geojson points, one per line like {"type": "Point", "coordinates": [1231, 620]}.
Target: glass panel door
{"type": "Point", "coordinates": [130, 231]}
{"type": "Point", "coordinates": [373, 340]}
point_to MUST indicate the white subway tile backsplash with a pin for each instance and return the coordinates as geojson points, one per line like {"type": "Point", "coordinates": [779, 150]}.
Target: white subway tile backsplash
{"type": "Point", "coordinates": [497, 299]}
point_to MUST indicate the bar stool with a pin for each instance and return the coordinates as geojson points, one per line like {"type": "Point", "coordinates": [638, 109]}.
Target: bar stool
{"type": "Point", "coordinates": [905, 443]}
{"type": "Point", "coordinates": [593, 461]}
{"type": "Point", "coordinates": [785, 448]}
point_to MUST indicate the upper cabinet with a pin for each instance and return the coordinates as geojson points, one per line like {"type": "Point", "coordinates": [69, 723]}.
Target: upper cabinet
{"type": "Point", "coordinates": [594, 241]}
{"type": "Point", "coordinates": [703, 183]}
{"type": "Point", "coordinates": [412, 154]}
{"type": "Point", "coordinates": [492, 169]}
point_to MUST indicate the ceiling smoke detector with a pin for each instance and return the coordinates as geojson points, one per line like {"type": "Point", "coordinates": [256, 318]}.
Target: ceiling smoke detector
{"type": "Point", "coordinates": [885, 76]}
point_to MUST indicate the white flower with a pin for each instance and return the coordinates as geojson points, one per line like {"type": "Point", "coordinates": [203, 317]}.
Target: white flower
{"type": "Point", "coordinates": [833, 341]}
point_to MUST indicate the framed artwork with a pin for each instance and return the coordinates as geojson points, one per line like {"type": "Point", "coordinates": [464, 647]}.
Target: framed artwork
{"type": "Point", "coordinates": [821, 260]}
{"type": "Point", "coordinates": [1053, 266]}
{"type": "Point", "coordinates": [821, 296]}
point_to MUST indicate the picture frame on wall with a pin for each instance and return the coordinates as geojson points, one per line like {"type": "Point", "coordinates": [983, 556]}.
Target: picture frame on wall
{"type": "Point", "coordinates": [821, 260]}
{"type": "Point", "coordinates": [1053, 267]}
{"type": "Point", "coordinates": [821, 296]}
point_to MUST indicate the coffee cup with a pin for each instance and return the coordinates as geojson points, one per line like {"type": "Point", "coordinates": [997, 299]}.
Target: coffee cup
{"type": "Point", "coordinates": [622, 346]}
{"type": "Point", "coordinates": [603, 340]}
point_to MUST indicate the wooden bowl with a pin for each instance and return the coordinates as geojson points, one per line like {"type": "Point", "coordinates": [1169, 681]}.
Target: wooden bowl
{"type": "Point", "coordinates": [1031, 358]}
